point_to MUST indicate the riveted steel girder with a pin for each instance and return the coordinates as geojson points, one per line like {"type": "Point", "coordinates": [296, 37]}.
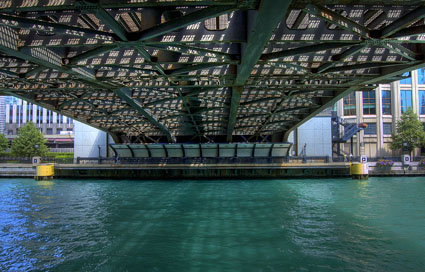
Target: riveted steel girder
{"type": "Point", "coordinates": [270, 14]}
{"type": "Point", "coordinates": [202, 70]}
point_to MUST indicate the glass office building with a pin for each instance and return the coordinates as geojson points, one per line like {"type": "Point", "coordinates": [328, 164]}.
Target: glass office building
{"type": "Point", "coordinates": [380, 109]}
{"type": "Point", "coordinates": [58, 129]}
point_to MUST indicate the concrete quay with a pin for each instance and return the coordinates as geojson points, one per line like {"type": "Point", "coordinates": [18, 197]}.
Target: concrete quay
{"type": "Point", "coordinates": [210, 171]}
{"type": "Point", "coordinates": [200, 170]}
{"type": "Point", "coordinates": [16, 170]}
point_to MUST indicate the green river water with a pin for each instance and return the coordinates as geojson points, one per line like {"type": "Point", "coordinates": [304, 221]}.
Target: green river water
{"type": "Point", "coordinates": [213, 225]}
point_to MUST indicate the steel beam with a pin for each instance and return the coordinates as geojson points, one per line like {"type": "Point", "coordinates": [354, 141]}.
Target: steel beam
{"type": "Point", "coordinates": [9, 74]}
{"type": "Point", "coordinates": [339, 20]}
{"type": "Point", "coordinates": [52, 65]}
{"type": "Point", "coordinates": [400, 50]}
{"type": "Point", "coordinates": [347, 53]}
{"type": "Point", "coordinates": [34, 71]}
{"type": "Point", "coordinates": [411, 31]}
{"type": "Point", "coordinates": [94, 82]}
{"type": "Point", "coordinates": [279, 110]}
{"type": "Point", "coordinates": [116, 4]}
{"type": "Point", "coordinates": [191, 18]}
{"type": "Point", "coordinates": [110, 22]}
{"type": "Point", "coordinates": [270, 14]}
{"type": "Point", "coordinates": [190, 50]}
{"type": "Point", "coordinates": [403, 22]}
{"type": "Point", "coordinates": [92, 53]}
{"type": "Point", "coordinates": [306, 50]}
{"type": "Point", "coordinates": [125, 94]}
{"type": "Point", "coordinates": [260, 100]}
{"type": "Point", "coordinates": [27, 23]}
{"type": "Point", "coordinates": [233, 112]}
{"type": "Point", "coordinates": [190, 68]}
{"type": "Point", "coordinates": [359, 67]}
{"type": "Point", "coordinates": [287, 65]}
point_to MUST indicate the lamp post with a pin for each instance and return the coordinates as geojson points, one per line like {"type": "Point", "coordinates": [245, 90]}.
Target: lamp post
{"type": "Point", "coordinates": [35, 160]}
{"type": "Point", "coordinates": [405, 148]}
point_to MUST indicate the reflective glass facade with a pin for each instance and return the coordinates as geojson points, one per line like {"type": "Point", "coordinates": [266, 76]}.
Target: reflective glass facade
{"type": "Point", "coordinates": [369, 103]}
{"type": "Point", "coordinates": [406, 80]}
{"type": "Point", "coordinates": [421, 76]}
{"type": "Point", "coordinates": [350, 104]}
{"type": "Point", "coordinates": [421, 101]}
{"type": "Point", "coordinates": [405, 100]}
{"type": "Point", "coordinates": [386, 102]}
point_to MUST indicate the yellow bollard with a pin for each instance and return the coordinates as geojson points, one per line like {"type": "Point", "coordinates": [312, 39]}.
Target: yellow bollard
{"type": "Point", "coordinates": [45, 171]}
{"type": "Point", "coordinates": [359, 170]}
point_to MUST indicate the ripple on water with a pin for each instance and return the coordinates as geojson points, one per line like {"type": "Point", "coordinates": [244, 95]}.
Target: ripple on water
{"type": "Point", "coordinates": [258, 225]}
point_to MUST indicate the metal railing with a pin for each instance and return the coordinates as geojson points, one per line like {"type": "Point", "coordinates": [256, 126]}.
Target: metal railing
{"type": "Point", "coordinates": [62, 149]}
{"type": "Point", "coordinates": [15, 160]}
{"type": "Point", "coordinates": [198, 160]}
{"type": "Point", "coordinates": [389, 158]}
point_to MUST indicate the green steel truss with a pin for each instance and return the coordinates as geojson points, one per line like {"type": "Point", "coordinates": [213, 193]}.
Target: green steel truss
{"type": "Point", "coordinates": [195, 71]}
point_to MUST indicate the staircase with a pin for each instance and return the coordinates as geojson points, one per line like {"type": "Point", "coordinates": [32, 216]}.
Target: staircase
{"type": "Point", "coordinates": [350, 129]}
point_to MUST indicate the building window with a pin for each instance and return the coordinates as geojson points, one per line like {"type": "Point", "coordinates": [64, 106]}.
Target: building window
{"type": "Point", "coordinates": [29, 112]}
{"type": "Point", "coordinates": [11, 114]}
{"type": "Point", "coordinates": [388, 128]}
{"type": "Point", "coordinates": [386, 102]}
{"type": "Point", "coordinates": [39, 112]}
{"type": "Point", "coordinates": [350, 104]}
{"type": "Point", "coordinates": [406, 80]}
{"type": "Point", "coordinates": [371, 129]}
{"type": "Point", "coordinates": [18, 115]}
{"type": "Point", "coordinates": [406, 100]}
{"type": "Point", "coordinates": [421, 102]}
{"type": "Point", "coordinates": [49, 117]}
{"type": "Point", "coordinates": [421, 76]}
{"type": "Point", "coordinates": [21, 114]}
{"type": "Point", "coordinates": [49, 131]}
{"type": "Point", "coordinates": [369, 103]}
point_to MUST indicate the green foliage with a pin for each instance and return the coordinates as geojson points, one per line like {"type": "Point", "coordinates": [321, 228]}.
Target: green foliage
{"type": "Point", "coordinates": [61, 155]}
{"type": "Point", "coordinates": [25, 144]}
{"type": "Point", "coordinates": [408, 130]}
{"type": "Point", "coordinates": [4, 144]}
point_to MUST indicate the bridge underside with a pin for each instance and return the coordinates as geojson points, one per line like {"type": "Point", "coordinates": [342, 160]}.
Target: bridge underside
{"type": "Point", "coordinates": [201, 71]}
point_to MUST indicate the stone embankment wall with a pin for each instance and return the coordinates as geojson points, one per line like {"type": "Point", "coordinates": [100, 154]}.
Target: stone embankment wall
{"type": "Point", "coordinates": [16, 170]}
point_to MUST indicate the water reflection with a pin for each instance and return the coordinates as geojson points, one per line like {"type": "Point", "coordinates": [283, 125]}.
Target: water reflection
{"type": "Point", "coordinates": [45, 184]}
{"type": "Point", "coordinates": [363, 186]}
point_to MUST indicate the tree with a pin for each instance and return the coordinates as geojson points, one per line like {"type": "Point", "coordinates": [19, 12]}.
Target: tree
{"type": "Point", "coordinates": [29, 143]}
{"type": "Point", "coordinates": [4, 143]}
{"type": "Point", "coordinates": [409, 132]}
